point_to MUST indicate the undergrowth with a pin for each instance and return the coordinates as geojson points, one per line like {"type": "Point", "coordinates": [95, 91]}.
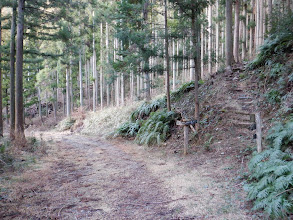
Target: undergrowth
{"type": "Point", "coordinates": [150, 122]}
{"type": "Point", "coordinates": [146, 108]}
{"type": "Point", "coordinates": [156, 129]}
{"type": "Point", "coordinates": [277, 44]}
{"type": "Point", "coordinates": [270, 184]}
{"type": "Point", "coordinates": [65, 124]}
{"type": "Point", "coordinates": [128, 129]}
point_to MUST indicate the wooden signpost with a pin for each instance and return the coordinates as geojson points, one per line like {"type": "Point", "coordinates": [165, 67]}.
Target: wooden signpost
{"type": "Point", "coordinates": [187, 124]}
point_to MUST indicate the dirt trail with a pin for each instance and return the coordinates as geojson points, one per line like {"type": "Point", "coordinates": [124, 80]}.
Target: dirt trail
{"type": "Point", "coordinates": [88, 178]}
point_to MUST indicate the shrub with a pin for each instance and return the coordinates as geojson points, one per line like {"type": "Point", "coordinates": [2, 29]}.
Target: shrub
{"type": "Point", "coordinates": [273, 96]}
{"type": "Point", "coordinates": [271, 180]}
{"type": "Point", "coordinates": [156, 129]}
{"type": "Point", "coordinates": [65, 124]}
{"type": "Point", "coordinates": [186, 87]}
{"type": "Point", "coordinates": [128, 129]}
{"type": "Point", "coordinates": [276, 44]}
{"type": "Point", "coordinates": [146, 108]}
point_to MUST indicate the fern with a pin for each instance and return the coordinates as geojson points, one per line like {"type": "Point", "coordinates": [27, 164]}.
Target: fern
{"type": "Point", "coordinates": [156, 128]}
{"type": "Point", "coordinates": [277, 43]}
{"type": "Point", "coordinates": [271, 175]}
{"type": "Point", "coordinates": [146, 108]}
{"type": "Point", "coordinates": [128, 129]}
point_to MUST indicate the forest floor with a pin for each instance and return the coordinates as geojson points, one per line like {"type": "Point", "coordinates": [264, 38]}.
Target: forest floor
{"type": "Point", "coordinates": [89, 178]}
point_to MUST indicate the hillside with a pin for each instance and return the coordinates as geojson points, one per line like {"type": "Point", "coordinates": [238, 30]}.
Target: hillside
{"type": "Point", "coordinates": [207, 183]}
{"type": "Point", "coordinates": [146, 109]}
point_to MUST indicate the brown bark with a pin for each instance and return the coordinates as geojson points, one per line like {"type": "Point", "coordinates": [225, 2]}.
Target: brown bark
{"type": "Point", "coordinates": [244, 36]}
{"type": "Point", "coordinates": [229, 42]}
{"type": "Point", "coordinates": [210, 65]}
{"type": "Point", "coordinates": [167, 59]}
{"type": "Point", "coordinates": [146, 59]}
{"type": "Point", "coordinates": [270, 12]}
{"type": "Point", "coordinates": [1, 107]}
{"type": "Point", "coordinates": [217, 35]}
{"type": "Point", "coordinates": [101, 69]}
{"type": "Point", "coordinates": [195, 33]}
{"type": "Point", "coordinates": [19, 119]}
{"type": "Point", "coordinates": [236, 31]}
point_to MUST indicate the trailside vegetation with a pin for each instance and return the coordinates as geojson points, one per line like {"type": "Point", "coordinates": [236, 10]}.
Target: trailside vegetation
{"type": "Point", "coordinates": [270, 184]}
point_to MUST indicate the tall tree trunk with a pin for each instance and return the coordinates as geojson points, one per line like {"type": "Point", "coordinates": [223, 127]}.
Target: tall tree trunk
{"type": "Point", "coordinates": [107, 62]}
{"type": "Point", "coordinates": [80, 82]}
{"type": "Point", "coordinates": [137, 84]}
{"type": "Point", "coordinates": [146, 58]}
{"type": "Point", "coordinates": [191, 62]}
{"type": "Point", "coordinates": [210, 41]}
{"type": "Point", "coordinates": [19, 120]}
{"type": "Point", "coordinates": [12, 74]}
{"type": "Point", "coordinates": [89, 84]}
{"type": "Point", "coordinates": [47, 113]}
{"type": "Point", "coordinates": [131, 86]}
{"type": "Point", "coordinates": [71, 87]}
{"type": "Point", "coordinates": [55, 91]}
{"type": "Point", "coordinates": [7, 108]}
{"type": "Point", "coordinates": [1, 107]}
{"type": "Point", "coordinates": [229, 42]}
{"type": "Point", "coordinates": [195, 33]}
{"type": "Point", "coordinates": [270, 13]}
{"type": "Point", "coordinates": [177, 60]}
{"type": "Point", "coordinates": [244, 36]}
{"type": "Point", "coordinates": [261, 22]}
{"type": "Point", "coordinates": [173, 65]}
{"type": "Point", "coordinates": [40, 104]}
{"type": "Point", "coordinates": [101, 69]}
{"type": "Point", "coordinates": [167, 59]}
{"type": "Point", "coordinates": [122, 90]}
{"type": "Point", "coordinates": [67, 94]}
{"type": "Point", "coordinates": [94, 81]}
{"type": "Point", "coordinates": [217, 35]}
{"type": "Point", "coordinates": [202, 51]}
{"type": "Point", "coordinates": [252, 31]}
{"type": "Point", "coordinates": [255, 7]}
{"type": "Point", "coordinates": [94, 65]}
{"type": "Point", "coordinates": [236, 31]}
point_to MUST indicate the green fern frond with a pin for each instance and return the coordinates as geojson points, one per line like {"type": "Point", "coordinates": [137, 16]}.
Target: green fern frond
{"type": "Point", "coordinates": [156, 128]}
{"type": "Point", "coordinates": [271, 175]}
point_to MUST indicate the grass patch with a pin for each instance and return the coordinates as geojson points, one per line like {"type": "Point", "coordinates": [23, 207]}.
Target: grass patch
{"type": "Point", "coordinates": [65, 124]}
{"type": "Point", "coordinates": [105, 122]}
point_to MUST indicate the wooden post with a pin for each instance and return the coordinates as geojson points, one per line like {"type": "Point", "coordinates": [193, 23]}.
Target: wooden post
{"type": "Point", "coordinates": [258, 132]}
{"type": "Point", "coordinates": [186, 128]}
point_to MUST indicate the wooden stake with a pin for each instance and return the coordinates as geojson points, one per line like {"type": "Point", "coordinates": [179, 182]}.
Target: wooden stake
{"type": "Point", "coordinates": [186, 128]}
{"type": "Point", "coordinates": [258, 132]}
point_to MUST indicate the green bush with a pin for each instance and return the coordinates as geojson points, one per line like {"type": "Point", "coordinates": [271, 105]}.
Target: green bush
{"type": "Point", "coordinates": [273, 96]}
{"type": "Point", "coordinates": [186, 87]}
{"type": "Point", "coordinates": [128, 129]}
{"type": "Point", "coordinates": [146, 108]}
{"type": "Point", "coordinates": [65, 124]}
{"type": "Point", "coordinates": [276, 44]}
{"type": "Point", "coordinates": [270, 183]}
{"type": "Point", "coordinates": [156, 129]}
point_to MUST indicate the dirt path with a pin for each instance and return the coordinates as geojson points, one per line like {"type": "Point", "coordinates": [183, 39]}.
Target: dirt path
{"type": "Point", "coordinates": [87, 178]}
